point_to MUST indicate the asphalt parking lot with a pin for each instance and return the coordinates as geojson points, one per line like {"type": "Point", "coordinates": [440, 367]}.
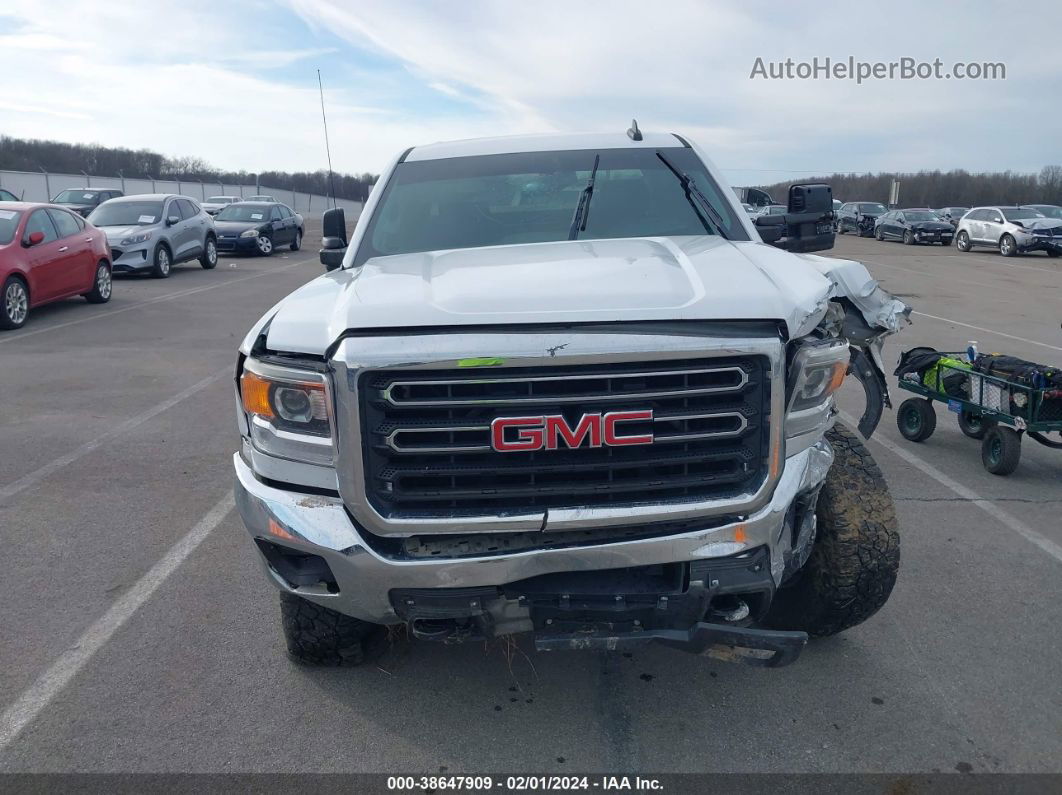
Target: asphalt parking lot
{"type": "Point", "coordinates": [139, 634]}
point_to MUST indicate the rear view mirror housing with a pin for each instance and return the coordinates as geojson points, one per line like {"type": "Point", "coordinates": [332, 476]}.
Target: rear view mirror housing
{"type": "Point", "coordinates": [35, 239]}
{"type": "Point", "coordinates": [807, 224]}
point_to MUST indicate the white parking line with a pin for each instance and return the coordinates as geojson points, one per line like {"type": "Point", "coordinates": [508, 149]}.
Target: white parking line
{"type": "Point", "coordinates": [1005, 264]}
{"type": "Point", "coordinates": [988, 330]}
{"type": "Point", "coordinates": [159, 299]}
{"type": "Point", "coordinates": [975, 499]}
{"type": "Point", "coordinates": [34, 477]}
{"type": "Point", "coordinates": [59, 674]}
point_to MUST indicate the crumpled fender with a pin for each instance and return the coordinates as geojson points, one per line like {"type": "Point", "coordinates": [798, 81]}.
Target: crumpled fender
{"type": "Point", "coordinates": [870, 313]}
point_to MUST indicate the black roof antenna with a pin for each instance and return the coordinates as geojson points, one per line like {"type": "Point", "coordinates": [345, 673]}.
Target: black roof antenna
{"type": "Point", "coordinates": [634, 133]}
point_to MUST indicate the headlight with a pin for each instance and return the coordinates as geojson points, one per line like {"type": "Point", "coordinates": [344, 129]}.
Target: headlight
{"type": "Point", "coordinates": [139, 237]}
{"type": "Point", "coordinates": [287, 412]}
{"type": "Point", "coordinates": [819, 371]}
{"type": "Point", "coordinates": [249, 233]}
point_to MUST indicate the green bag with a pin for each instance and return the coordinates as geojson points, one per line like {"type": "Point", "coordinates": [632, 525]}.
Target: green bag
{"type": "Point", "coordinates": [952, 382]}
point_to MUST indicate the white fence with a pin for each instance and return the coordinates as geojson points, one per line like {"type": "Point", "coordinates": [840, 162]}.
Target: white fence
{"type": "Point", "coordinates": [39, 186]}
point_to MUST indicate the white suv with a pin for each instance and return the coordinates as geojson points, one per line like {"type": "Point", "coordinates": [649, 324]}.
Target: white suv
{"type": "Point", "coordinates": [1013, 230]}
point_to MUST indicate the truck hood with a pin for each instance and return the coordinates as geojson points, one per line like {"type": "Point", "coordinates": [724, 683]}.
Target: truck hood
{"type": "Point", "coordinates": [687, 278]}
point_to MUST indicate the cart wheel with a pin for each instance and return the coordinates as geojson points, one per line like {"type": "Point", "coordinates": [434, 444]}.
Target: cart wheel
{"type": "Point", "coordinates": [1001, 450]}
{"type": "Point", "coordinates": [974, 425]}
{"type": "Point", "coordinates": [916, 419]}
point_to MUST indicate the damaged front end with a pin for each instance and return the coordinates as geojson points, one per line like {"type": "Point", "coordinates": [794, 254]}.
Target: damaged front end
{"type": "Point", "coordinates": [859, 311]}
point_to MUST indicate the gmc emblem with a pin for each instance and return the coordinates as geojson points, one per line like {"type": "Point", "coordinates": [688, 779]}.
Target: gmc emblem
{"type": "Point", "coordinates": [519, 434]}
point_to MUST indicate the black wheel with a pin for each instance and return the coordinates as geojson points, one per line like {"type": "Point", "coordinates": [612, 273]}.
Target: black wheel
{"type": "Point", "coordinates": [1001, 450]}
{"type": "Point", "coordinates": [209, 257]}
{"type": "Point", "coordinates": [1052, 253]}
{"type": "Point", "coordinates": [162, 264]}
{"type": "Point", "coordinates": [264, 245]}
{"type": "Point", "coordinates": [317, 635]}
{"type": "Point", "coordinates": [14, 303]}
{"type": "Point", "coordinates": [1007, 246]}
{"type": "Point", "coordinates": [296, 244]}
{"type": "Point", "coordinates": [962, 242]}
{"type": "Point", "coordinates": [916, 419]}
{"type": "Point", "coordinates": [840, 227]}
{"type": "Point", "coordinates": [101, 285]}
{"type": "Point", "coordinates": [853, 565]}
{"type": "Point", "coordinates": [974, 425]}
{"type": "Point", "coordinates": [879, 234]}
{"type": "Point", "coordinates": [908, 238]}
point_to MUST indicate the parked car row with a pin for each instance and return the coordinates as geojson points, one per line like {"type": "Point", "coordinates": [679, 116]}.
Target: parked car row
{"type": "Point", "coordinates": [50, 252]}
{"type": "Point", "coordinates": [1012, 230]}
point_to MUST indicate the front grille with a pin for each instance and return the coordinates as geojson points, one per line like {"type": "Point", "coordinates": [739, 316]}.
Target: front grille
{"type": "Point", "coordinates": [427, 439]}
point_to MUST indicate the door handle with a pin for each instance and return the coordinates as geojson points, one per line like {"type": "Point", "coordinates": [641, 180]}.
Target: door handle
{"type": "Point", "coordinates": [64, 248]}
{"type": "Point", "coordinates": [88, 239]}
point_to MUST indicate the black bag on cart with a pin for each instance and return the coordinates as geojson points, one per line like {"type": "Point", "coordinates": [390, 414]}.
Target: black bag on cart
{"type": "Point", "coordinates": [1029, 374]}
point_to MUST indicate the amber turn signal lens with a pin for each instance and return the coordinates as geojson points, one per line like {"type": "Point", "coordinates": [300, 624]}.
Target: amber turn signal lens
{"type": "Point", "coordinates": [254, 390]}
{"type": "Point", "coordinates": [840, 370]}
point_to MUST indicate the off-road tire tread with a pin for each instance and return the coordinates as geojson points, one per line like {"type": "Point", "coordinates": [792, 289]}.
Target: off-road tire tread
{"type": "Point", "coordinates": [317, 635]}
{"type": "Point", "coordinates": [856, 557]}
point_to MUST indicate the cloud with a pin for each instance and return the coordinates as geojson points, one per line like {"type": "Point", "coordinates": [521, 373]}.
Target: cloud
{"type": "Point", "coordinates": [685, 66]}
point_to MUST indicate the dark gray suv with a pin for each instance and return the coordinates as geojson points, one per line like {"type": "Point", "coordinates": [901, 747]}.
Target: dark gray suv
{"type": "Point", "coordinates": [155, 231]}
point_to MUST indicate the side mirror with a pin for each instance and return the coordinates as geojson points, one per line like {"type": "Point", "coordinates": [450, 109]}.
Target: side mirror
{"type": "Point", "coordinates": [332, 253]}
{"type": "Point", "coordinates": [807, 224]}
{"type": "Point", "coordinates": [35, 239]}
{"type": "Point", "coordinates": [173, 219]}
{"type": "Point", "coordinates": [334, 224]}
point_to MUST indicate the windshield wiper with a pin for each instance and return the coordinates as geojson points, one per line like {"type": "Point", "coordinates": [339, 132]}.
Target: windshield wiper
{"type": "Point", "coordinates": [582, 210]}
{"type": "Point", "coordinates": [700, 203]}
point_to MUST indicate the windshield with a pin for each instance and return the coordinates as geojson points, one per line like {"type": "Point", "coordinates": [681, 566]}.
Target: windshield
{"type": "Point", "coordinates": [244, 212]}
{"type": "Point", "coordinates": [777, 209]}
{"type": "Point", "coordinates": [1020, 213]}
{"type": "Point", "coordinates": [531, 197]}
{"type": "Point", "coordinates": [921, 216]}
{"type": "Point", "coordinates": [1050, 212]}
{"type": "Point", "coordinates": [8, 225]}
{"type": "Point", "coordinates": [220, 200]}
{"type": "Point", "coordinates": [76, 197]}
{"type": "Point", "coordinates": [118, 213]}
{"type": "Point", "coordinates": [871, 208]}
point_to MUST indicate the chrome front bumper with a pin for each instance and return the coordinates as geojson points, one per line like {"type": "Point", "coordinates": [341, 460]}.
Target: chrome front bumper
{"type": "Point", "coordinates": [321, 526]}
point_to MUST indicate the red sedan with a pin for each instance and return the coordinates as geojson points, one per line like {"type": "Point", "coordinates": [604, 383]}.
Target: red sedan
{"type": "Point", "coordinates": [48, 254]}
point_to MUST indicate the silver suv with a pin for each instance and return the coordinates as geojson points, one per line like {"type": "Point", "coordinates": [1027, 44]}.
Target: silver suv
{"type": "Point", "coordinates": [155, 231]}
{"type": "Point", "coordinates": [1013, 230]}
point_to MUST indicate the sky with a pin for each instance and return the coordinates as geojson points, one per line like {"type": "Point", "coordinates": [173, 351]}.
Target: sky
{"type": "Point", "coordinates": [234, 82]}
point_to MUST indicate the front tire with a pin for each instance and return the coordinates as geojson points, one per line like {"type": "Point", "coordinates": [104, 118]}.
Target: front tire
{"type": "Point", "coordinates": [916, 419]}
{"type": "Point", "coordinates": [264, 245]}
{"type": "Point", "coordinates": [14, 303]}
{"type": "Point", "coordinates": [209, 258]}
{"type": "Point", "coordinates": [1052, 253]}
{"type": "Point", "coordinates": [101, 285]}
{"type": "Point", "coordinates": [317, 635]}
{"type": "Point", "coordinates": [962, 242]}
{"type": "Point", "coordinates": [908, 238]}
{"type": "Point", "coordinates": [296, 244]}
{"type": "Point", "coordinates": [880, 235]}
{"type": "Point", "coordinates": [162, 264]}
{"type": "Point", "coordinates": [1001, 450]}
{"type": "Point", "coordinates": [840, 227]}
{"type": "Point", "coordinates": [856, 557]}
{"type": "Point", "coordinates": [1007, 246]}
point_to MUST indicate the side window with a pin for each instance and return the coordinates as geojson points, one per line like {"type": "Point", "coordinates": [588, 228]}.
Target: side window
{"type": "Point", "coordinates": [64, 223]}
{"type": "Point", "coordinates": [183, 208]}
{"type": "Point", "coordinates": [285, 211]}
{"type": "Point", "coordinates": [995, 217]}
{"type": "Point", "coordinates": [79, 221]}
{"type": "Point", "coordinates": [900, 217]}
{"type": "Point", "coordinates": [276, 214]}
{"type": "Point", "coordinates": [40, 222]}
{"type": "Point", "coordinates": [192, 206]}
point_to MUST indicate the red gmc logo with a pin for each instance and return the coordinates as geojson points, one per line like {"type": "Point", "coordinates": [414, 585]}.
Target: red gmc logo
{"type": "Point", "coordinates": [514, 434]}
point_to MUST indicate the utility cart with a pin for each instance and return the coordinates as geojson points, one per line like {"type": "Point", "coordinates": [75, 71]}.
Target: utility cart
{"type": "Point", "coordinates": [994, 409]}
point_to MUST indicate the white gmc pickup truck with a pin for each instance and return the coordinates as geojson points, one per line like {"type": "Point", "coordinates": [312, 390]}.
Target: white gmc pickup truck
{"type": "Point", "coordinates": [561, 385]}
